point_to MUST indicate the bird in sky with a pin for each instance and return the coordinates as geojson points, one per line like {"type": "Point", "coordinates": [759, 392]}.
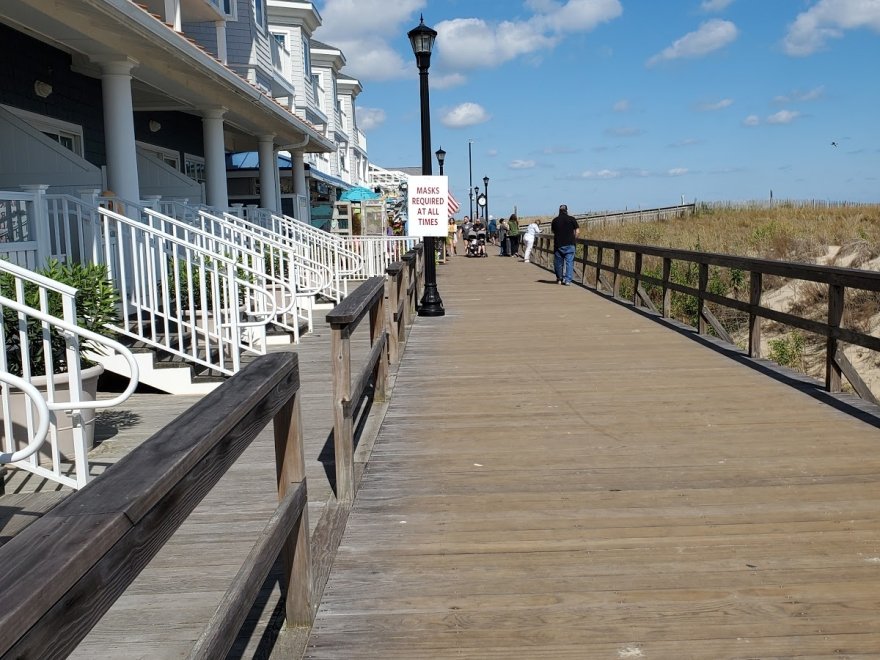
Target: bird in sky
{"type": "Point", "coordinates": [834, 144]}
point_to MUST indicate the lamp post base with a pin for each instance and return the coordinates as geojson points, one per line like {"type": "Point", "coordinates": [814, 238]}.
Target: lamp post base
{"type": "Point", "coordinates": [431, 304]}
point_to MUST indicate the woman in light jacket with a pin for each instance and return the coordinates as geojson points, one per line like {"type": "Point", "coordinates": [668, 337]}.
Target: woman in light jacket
{"type": "Point", "coordinates": [529, 236]}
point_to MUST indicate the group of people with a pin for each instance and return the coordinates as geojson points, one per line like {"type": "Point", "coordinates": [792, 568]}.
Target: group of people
{"type": "Point", "coordinates": [475, 235]}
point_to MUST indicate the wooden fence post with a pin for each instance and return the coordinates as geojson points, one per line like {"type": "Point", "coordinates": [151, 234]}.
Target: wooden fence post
{"type": "Point", "coordinates": [667, 292]}
{"type": "Point", "coordinates": [377, 334]}
{"type": "Point", "coordinates": [615, 281]}
{"type": "Point", "coordinates": [585, 255]}
{"type": "Point", "coordinates": [599, 256]}
{"type": "Point", "coordinates": [755, 285]}
{"type": "Point", "coordinates": [702, 326]}
{"type": "Point", "coordinates": [637, 270]}
{"type": "Point", "coordinates": [392, 304]}
{"type": "Point", "coordinates": [290, 468]}
{"type": "Point", "coordinates": [343, 431]}
{"type": "Point", "coordinates": [835, 316]}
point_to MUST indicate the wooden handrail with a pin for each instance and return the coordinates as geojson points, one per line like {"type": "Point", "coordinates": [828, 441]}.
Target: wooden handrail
{"type": "Point", "coordinates": [63, 572]}
{"type": "Point", "coordinates": [836, 278]}
{"type": "Point", "coordinates": [388, 300]}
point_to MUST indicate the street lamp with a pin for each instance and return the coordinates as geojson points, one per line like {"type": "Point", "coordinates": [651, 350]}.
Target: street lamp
{"type": "Point", "coordinates": [470, 177]}
{"type": "Point", "coordinates": [477, 200]}
{"type": "Point", "coordinates": [441, 156]}
{"type": "Point", "coordinates": [486, 191]}
{"type": "Point", "coordinates": [422, 39]}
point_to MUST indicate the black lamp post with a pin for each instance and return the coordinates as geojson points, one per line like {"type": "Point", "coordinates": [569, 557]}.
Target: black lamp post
{"type": "Point", "coordinates": [422, 39]}
{"type": "Point", "coordinates": [486, 192]}
{"type": "Point", "coordinates": [470, 178]}
{"type": "Point", "coordinates": [441, 156]}
{"type": "Point", "coordinates": [477, 201]}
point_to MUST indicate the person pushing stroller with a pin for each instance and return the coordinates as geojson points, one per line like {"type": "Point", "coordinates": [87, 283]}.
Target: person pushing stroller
{"type": "Point", "coordinates": [477, 239]}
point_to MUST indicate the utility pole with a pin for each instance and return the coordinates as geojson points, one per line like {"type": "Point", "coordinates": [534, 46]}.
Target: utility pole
{"type": "Point", "coordinates": [471, 179]}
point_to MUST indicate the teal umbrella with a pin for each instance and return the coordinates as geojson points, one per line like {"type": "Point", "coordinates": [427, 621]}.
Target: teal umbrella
{"type": "Point", "coordinates": [358, 194]}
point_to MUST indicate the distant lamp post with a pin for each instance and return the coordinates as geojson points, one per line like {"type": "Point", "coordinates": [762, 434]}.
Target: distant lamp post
{"type": "Point", "coordinates": [477, 200]}
{"type": "Point", "coordinates": [441, 157]}
{"type": "Point", "coordinates": [486, 192]}
{"type": "Point", "coordinates": [422, 39]}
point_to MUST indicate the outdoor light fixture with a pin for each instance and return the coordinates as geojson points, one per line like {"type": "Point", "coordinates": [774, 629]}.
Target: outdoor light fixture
{"type": "Point", "coordinates": [486, 193]}
{"type": "Point", "coordinates": [422, 39]}
{"type": "Point", "coordinates": [42, 89]}
{"type": "Point", "coordinates": [441, 156]}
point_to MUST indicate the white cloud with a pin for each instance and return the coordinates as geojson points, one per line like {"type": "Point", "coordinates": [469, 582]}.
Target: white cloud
{"type": "Point", "coordinates": [447, 81]}
{"type": "Point", "coordinates": [369, 118]}
{"type": "Point", "coordinates": [783, 117]}
{"type": "Point", "coordinates": [368, 51]}
{"type": "Point", "coordinates": [621, 106]}
{"type": "Point", "coordinates": [686, 142]}
{"type": "Point", "coordinates": [799, 96]}
{"type": "Point", "coordinates": [829, 19]}
{"type": "Point", "coordinates": [464, 115]}
{"type": "Point", "coordinates": [624, 131]}
{"type": "Point", "coordinates": [709, 37]}
{"type": "Point", "coordinates": [677, 171]}
{"type": "Point", "coordinates": [601, 174]}
{"type": "Point", "coordinates": [717, 105]}
{"type": "Point", "coordinates": [710, 6]}
{"type": "Point", "coordinates": [374, 50]}
{"type": "Point", "coordinates": [522, 164]}
{"type": "Point", "coordinates": [752, 120]}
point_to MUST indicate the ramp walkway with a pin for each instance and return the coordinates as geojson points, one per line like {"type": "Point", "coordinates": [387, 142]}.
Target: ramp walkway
{"type": "Point", "coordinates": [559, 476]}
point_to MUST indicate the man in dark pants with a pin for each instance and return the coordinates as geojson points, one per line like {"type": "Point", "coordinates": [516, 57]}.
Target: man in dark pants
{"type": "Point", "coordinates": [565, 232]}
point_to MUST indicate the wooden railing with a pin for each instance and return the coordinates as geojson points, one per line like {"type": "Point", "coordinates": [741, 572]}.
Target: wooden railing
{"type": "Point", "coordinates": [594, 269]}
{"type": "Point", "coordinates": [390, 301]}
{"type": "Point", "coordinates": [63, 572]}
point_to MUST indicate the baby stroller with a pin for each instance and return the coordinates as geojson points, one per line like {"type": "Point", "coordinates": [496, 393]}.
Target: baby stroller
{"type": "Point", "coordinates": [476, 246]}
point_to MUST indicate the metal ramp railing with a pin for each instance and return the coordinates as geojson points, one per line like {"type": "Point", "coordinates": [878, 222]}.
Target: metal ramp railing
{"type": "Point", "coordinates": [32, 339]}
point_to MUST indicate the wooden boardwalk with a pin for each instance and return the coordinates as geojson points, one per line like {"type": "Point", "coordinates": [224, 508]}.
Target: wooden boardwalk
{"type": "Point", "coordinates": [560, 476]}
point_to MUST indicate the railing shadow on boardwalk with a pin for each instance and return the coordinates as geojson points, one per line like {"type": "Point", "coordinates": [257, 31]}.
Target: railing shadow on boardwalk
{"type": "Point", "coordinates": [64, 571]}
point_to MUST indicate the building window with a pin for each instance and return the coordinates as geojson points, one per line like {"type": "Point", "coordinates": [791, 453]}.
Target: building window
{"type": "Point", "coordinates": [229, 8]}
{"type": "Point", "coordinates": [194, 166]}
{"type": "Point", "coordinates": [307, 57]}
{"type": "Point", "coordinates": [69, 136]}
{"type": "Point", "coordinates": [280, 39]}
{"type": "Point", "coordinates": [260, 13]}
{"type": "Point", "coordinates": [167, 156]}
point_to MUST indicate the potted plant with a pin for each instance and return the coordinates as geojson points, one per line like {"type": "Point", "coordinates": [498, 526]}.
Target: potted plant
{"type": "Point", "coordinates": [96, 305]}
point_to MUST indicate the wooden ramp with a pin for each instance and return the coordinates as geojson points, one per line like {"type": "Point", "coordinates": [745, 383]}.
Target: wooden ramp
{"type": "Point", "coordinates": [558, 476]}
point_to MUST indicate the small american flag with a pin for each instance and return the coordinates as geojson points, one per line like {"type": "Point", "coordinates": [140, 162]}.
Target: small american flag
{"type": "Point", "coordinates": [453, 204]}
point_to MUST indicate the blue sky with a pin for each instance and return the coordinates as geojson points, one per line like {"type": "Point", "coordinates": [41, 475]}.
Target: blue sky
{"type": "Point", "coordinates": [611, 104]}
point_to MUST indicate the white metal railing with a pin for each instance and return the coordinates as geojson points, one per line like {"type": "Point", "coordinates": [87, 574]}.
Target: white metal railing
{"type": "Point", "coordinates": [32, 338]}
{"type": "Point", "coordinates": [378, 252]}
{"type": "Point", "coordinates": [21, 216]}
{"type": "Point", "coordinates": [324, 247]}
{"type": "Point", "coordinates": [188, 293]}
{"type": "Point", "coordinates": [282, 261]}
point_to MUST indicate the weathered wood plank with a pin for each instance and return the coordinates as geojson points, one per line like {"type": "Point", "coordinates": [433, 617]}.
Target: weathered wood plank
{"type": "Point", "coordinates": [515, 507]}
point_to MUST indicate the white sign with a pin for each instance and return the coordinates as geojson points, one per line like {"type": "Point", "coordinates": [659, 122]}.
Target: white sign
{"type": "Point", "coordinates": [428, 207]}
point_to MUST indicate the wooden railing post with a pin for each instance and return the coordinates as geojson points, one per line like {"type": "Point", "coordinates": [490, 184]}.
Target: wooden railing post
{"type": "Point", "coordinates": [637, 276]}
{"type": "Point", "coordinates": [615, 281]}
{"type": "Point", "coordinates": [290, 468]}
{"type": "Point", "coordinates": [586, 254]}
{"type": "Point", "coordinates": [755, 285]}
{"type": "Point", "coordinates": [599, 256]}
{"type": "Point", "coordinates": [377, 334]}
{"type": "Point", "coordinates": [702, 326]}
{"type": "Point", "coordinates": [667, 292]}
{"type": "Point", "coordinates": [392, 320]}
{"type": "Point", "coordinates": [835, 316]}
{"type": "Point", "coordinates": [343, 429]}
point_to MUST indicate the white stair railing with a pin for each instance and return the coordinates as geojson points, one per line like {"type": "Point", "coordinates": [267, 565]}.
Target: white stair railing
{"type": "Point", "coordinates": [327, 248]}
{"type": "Point", "coordinates": [186, 292]}
{"type": "Point", "coordinates": [24, 429]}
{"type": "Point", "coordinates": [378, 252]}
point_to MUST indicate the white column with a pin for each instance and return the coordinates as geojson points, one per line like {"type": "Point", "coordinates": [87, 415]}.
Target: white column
{"type": "Point", "coordinates": [172, 14]}
{"type": "Point", "coordinates": [298, 164]}
{"type": "Point", "coordinates": [268, 182]}
{"type": "Point", "coordinates": [122, 173]}
{"type": "Point", "coordinates": [220, 29]}
{"type": "Point", "coordinates": [215, 157]}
